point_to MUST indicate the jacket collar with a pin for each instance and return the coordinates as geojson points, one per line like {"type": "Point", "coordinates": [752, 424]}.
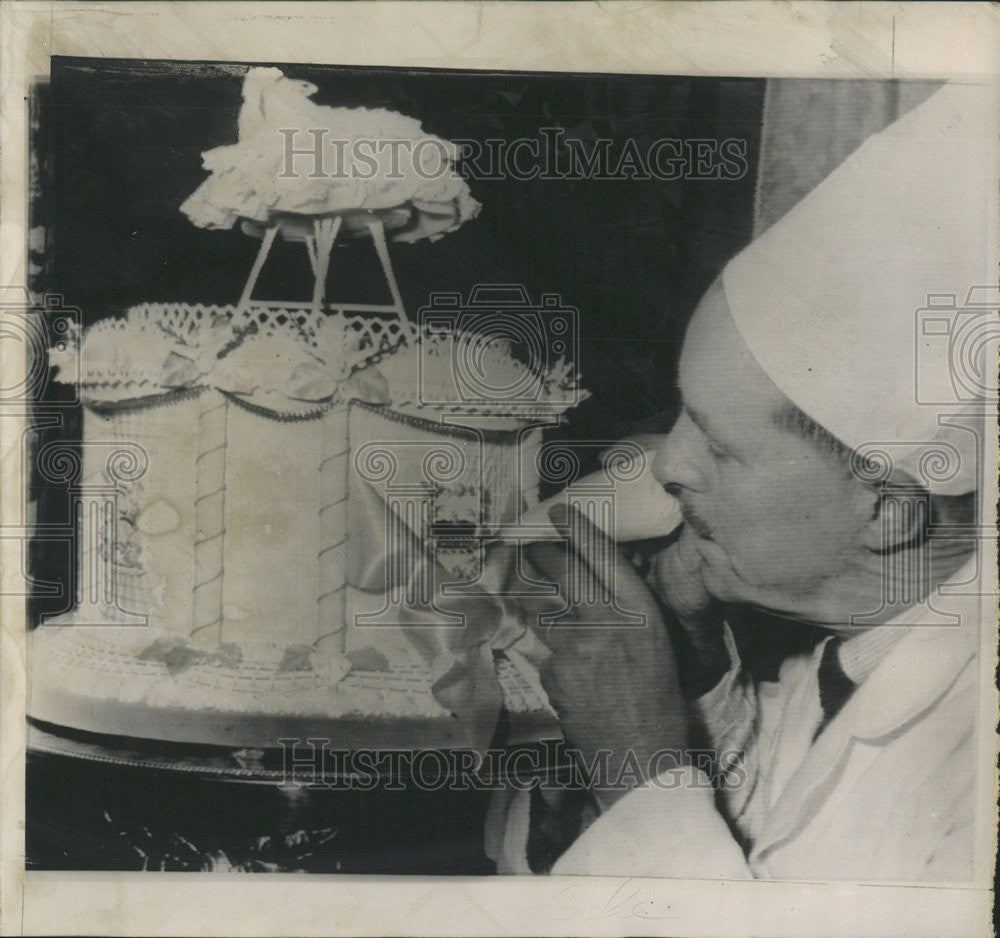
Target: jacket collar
{"type": "Point", "coordinates": [916, 672]}
{"type": "Point", "coordinates": [921, 666]}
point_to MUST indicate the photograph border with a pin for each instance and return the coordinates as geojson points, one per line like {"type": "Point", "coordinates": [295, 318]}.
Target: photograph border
{"type": "Point", "coordinates": [742, 39]}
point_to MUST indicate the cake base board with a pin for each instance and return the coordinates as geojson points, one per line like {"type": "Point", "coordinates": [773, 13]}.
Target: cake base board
{"type": "Point", "coordinates": [85, 680]}
{"type": "Point", "coordinates": [246, 731]}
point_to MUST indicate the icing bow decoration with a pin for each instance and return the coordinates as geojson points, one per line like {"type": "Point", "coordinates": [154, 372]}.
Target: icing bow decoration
{"type": "Point", "coordinates": [458, 631]}
{"type": "Point", "coordinates": [303, 363]}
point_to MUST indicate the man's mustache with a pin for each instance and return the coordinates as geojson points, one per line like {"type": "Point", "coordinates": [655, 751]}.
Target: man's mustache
{"type": "Point", "coordinates": [698, 524]}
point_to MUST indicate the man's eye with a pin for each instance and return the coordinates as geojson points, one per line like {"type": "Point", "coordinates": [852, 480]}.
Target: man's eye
{"type": "Point", "coordinates": [717, 454]}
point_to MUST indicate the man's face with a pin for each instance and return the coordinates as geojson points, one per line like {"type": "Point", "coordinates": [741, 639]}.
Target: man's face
{"type": "Point", "coordinates": [771, 516]}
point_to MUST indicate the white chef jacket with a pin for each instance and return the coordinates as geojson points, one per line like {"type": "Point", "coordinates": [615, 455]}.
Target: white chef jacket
{"type": "Point", "coordinates": [884, 793]}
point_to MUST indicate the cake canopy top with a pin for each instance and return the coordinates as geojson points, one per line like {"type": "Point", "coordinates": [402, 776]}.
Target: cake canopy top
{"type": "Point", "coordinates": [297, 161]}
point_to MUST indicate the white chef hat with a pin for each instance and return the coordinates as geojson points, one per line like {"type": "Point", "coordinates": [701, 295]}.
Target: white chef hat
{"type": "Point", "coordinates": [857, 302]}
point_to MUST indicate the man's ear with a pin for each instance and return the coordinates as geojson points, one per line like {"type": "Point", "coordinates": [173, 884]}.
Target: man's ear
{"type": "Point", "coordinates": [900, 516]}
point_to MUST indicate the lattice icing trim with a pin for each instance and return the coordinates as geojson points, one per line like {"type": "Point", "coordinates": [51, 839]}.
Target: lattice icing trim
{"type": "Point", "coordinates": [289, 358]}
{"type": "Point", "coordinates": [268, 356]}
{"type": "Point", "coordinates": [474, 374]}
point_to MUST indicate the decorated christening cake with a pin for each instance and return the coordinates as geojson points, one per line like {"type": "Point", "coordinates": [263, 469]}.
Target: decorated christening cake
{"type": "Point", "coordinates": [265, 502]}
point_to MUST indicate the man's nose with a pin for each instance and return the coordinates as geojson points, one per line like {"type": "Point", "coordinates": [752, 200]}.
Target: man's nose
{"type": "Point", "coordinates": [674, 457]}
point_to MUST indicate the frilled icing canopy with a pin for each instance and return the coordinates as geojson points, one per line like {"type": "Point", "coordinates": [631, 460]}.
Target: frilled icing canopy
{"type": "Point", "coordinates": [296, 160]}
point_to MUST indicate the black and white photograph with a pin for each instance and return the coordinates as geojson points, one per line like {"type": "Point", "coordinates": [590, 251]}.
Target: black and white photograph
{"type": "Point", "coordinates": [575, 477]}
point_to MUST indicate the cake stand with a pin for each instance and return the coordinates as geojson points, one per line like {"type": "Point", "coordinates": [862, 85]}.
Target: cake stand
{"type": "Point", "coordinates": [101, 802]}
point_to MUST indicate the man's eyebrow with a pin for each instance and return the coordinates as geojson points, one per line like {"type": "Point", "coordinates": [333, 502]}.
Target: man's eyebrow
{"type": "Point", "coordinates": [699, 421]}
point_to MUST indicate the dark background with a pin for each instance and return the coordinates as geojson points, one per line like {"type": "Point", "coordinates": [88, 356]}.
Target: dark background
{"type": "Point", "coordinates": [126, 138]}
{"type": "Point", "coordinates": [117, 147]}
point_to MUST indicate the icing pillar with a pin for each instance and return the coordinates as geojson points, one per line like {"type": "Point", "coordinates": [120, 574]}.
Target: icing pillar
{"type": "Point", "coordinates": [332, 555]}
{"type": "Point", "coordinates": [210, 520]}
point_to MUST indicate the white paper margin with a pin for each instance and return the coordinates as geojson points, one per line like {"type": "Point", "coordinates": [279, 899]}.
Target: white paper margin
{"type": "Point", "coordinates": [866, 40]}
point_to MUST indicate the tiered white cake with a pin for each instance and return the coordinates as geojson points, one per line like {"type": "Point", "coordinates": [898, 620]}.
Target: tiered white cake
{"type": "Point", "coordinates": [226, 595]}
{"type": "Point", "coordinates": [235, 542]}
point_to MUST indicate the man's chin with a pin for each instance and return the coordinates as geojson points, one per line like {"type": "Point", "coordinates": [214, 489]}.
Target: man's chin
{"type": "Point", "coordinates": [723, 583]}
{"type": "Point", "coordinates": [718, 575]}
{"type": "Point", "coordinates": [719, 587]}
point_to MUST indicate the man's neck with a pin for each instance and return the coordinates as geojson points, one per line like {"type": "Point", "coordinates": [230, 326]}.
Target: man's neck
{"type": "Point", "coordinates": [866, 592]}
